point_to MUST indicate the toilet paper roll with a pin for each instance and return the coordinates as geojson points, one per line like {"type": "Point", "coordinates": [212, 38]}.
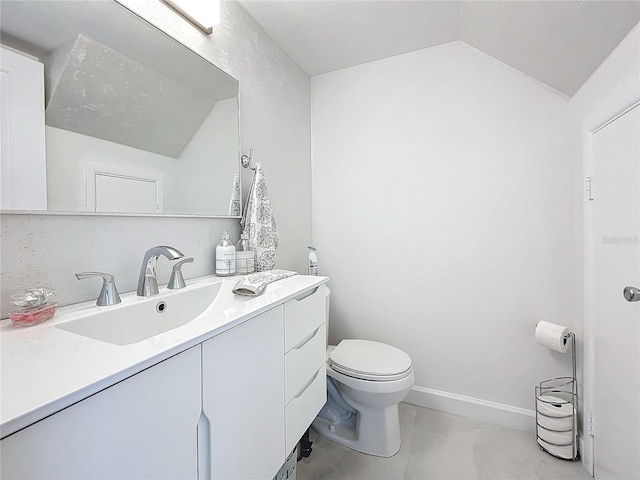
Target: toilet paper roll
{"type": "Point", "coordinates": [553, 336]}
{"type": "Point", "coordinates": [562, 451]}
{"type": "Point", "coordinates": [556, 438]}
{"type": "Point", "coordinates": [554, 406]}
{"type": "Point", "coordinates": [559, 424]}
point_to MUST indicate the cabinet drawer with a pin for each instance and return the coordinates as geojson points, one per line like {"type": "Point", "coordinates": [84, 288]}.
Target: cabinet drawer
{"type": "Point", "coordinates": [303, 360]}
{"type": "Point", "coordinates": [304, 407]}
{"type": "Point", "coordinates": [303, 315]}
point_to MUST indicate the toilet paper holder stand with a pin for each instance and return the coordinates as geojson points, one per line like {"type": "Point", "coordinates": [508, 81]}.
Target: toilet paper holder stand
{"type": "Point", "coordinates": [556, 412]}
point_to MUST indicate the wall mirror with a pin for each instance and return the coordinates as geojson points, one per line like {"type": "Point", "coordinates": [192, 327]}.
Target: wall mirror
{"type": "Point", "coordinates": [134, 121]}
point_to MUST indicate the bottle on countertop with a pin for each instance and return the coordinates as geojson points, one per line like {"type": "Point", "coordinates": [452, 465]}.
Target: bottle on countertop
{"type": "Point", "coordinates": [245, 257]}
{"type": "Point", "coordinates": [225, 257]}
{"type": "Point", "coordinates": [313, 261]}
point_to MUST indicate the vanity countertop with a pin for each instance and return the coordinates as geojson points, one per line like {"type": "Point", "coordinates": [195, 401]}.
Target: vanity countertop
{"type": "Point", "coordinates": [45, 369]}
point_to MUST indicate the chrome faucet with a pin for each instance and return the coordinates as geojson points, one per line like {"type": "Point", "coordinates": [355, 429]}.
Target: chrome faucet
{"type": "Point", "coordinates": [176, 280]}
{"type": "Point", "coordinates": [147, 281]}
{"type": "Point", "coordinates": [109, 293]}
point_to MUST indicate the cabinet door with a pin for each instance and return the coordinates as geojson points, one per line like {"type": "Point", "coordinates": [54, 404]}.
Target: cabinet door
{"type": "Point", "coordinates": [142, 427]}
{"type": "Point", "coordinates": [243, 398]}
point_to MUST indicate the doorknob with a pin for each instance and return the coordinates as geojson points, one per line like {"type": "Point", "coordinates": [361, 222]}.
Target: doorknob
{"type": "Point", "coordinates": [631, 294]}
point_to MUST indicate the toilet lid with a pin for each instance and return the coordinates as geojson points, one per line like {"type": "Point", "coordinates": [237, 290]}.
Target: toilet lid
{"type": "Point", "coordinates": [370, 360]}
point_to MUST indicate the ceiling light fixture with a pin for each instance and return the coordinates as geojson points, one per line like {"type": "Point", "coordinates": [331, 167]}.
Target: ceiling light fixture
{"type": "Point", "coordinates": [203, 15]}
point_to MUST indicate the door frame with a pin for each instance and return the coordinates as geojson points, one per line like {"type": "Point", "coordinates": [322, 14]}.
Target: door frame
{"type": "Point", "coordinates": [591, 127]}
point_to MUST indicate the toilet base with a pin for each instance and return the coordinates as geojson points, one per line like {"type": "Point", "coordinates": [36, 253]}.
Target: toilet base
{"type": "Point", "coordinates": [378, 434]}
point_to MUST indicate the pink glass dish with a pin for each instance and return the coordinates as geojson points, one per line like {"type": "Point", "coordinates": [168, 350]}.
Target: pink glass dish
{"type": "Point", "coordinates": [23, 317]}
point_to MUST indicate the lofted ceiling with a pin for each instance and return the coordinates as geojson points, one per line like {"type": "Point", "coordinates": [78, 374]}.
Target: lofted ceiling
{"type": "Point", "coordinates": [111, 75]}
{"type": "Point", "coordinates": [559, 43]}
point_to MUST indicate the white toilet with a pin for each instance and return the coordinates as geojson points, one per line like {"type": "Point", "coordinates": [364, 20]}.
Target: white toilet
{"type": "Point", "coordinates": [365, 382]}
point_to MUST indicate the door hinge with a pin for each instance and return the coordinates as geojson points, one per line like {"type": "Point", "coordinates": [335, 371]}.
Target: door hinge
{"type": "Point", "coordinates": [590, 424]}
{"type": "Point", "coordinates": [588, 186]}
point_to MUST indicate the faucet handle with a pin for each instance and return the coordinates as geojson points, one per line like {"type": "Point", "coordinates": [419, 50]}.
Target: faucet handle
{"type": "Point", "coordinates": [109, 293]}
{"type": "Point", "coordinates": [176, 280]}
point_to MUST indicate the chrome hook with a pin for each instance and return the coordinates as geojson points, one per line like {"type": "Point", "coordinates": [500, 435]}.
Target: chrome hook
{"type": "Point", "coordinates": [245, 160]}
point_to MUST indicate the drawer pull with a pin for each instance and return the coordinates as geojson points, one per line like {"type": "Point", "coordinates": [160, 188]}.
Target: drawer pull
{"type": "Point", "coordinates": [306, 294]}
{"type": "Point", "coordinates": [306, 339]}
{"type": "Point", "coordinates": [306, 385]}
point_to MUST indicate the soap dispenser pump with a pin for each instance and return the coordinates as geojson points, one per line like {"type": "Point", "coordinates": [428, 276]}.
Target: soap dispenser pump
{"type": "Point", "coordinates": [225, 257]}
{"type": "Point", "coordinates": [245, 257]}
{"type": "Point", "coordinates": [313, 261]}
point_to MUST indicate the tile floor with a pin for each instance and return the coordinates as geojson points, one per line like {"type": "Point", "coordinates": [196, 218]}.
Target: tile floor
{"type": "Point", "coordinates": [437, 445]}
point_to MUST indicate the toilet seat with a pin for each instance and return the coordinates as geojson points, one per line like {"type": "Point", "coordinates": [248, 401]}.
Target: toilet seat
{"type": "Point", "coordinates": [368, 360]}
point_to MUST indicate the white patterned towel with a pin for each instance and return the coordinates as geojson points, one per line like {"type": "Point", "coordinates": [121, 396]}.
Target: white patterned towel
{"type": "Point", "coordinates": [254, 284]}
{"type": "Point", "coordinates": [260, 223]}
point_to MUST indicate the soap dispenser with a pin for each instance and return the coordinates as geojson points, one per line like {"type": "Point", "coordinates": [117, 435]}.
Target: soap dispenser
{"type": "Point", "coordinates": [225, 257]}
{"type": "Point", "coordinates": [313, 261]}
{"type": "Point", "coordinates": [245, 257]}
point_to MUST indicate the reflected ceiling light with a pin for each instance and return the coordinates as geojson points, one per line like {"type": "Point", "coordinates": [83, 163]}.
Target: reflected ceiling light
{"type": "Point", "coordinates": [203, 14]}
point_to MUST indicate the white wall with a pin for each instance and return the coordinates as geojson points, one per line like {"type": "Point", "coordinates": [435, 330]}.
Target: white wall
{"type": "Point", "coordinates": [274, 113]}
{"type": "Point", "coordinates": [611, 89]}
{"type": "Point", "coordinates": [275, 116]}
{"type": "Point", "coordinates": [208, 164]}
{"type": "Point", "coordinates": [67, 155]}
{"type": "Point", "coordinates": [443, 213]}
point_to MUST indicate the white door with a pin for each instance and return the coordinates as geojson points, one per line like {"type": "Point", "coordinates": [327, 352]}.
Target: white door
{"type": "Point", "coordinates": [23, 178]}
{"type": "Point", "coordinates": [125, 194]}
{"type": "Point", "coordinates": [616, 223]}
{"type": "Point", "coordinates": [114, 188]}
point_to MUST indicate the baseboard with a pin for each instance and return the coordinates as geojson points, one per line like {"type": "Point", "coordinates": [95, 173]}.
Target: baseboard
{"type": "Point", "coordinates": [585, 446]}
{"type": "Point", "coordinates": [498, 413]}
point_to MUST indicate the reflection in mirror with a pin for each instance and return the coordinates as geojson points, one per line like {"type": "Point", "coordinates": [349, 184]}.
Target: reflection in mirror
{"type": "Point", "coordinates": [135, 121]}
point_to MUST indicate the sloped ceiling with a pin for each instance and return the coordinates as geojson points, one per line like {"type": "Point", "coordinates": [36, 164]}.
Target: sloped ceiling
{"type": "Point", "coordinates": [95, 90]}
{"type": "Point", "coordinates": [559, 43]}
{"type": "Point", "coordinates": [112, 76]}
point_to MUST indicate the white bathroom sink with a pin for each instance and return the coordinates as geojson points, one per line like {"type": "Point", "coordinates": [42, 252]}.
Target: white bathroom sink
{"type": "Point", "coordinates": [143, 318]}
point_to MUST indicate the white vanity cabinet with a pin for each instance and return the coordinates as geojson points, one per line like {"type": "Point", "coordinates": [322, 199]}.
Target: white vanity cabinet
{"type": "Point", "coordinates": [263, 384]}
{"type": "Point", "coordinates": [243, 398]}
{"type": "Point", "coordinates": [141, 427]}
{"type": "Point", "coordinates": [305, 360]}
{"type": "Point", "coordinates": [231, 407]}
